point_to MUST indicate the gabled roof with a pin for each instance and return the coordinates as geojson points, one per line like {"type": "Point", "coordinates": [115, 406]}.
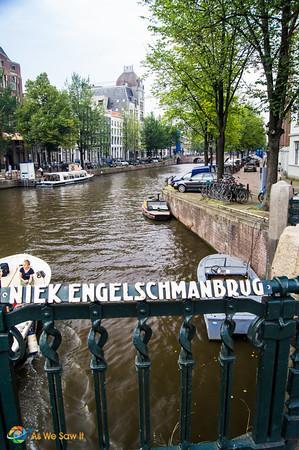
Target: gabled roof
{"type": "Point", "coordinates": [118, 96]}
{"type": "Point", "coordinates": [3, 52]}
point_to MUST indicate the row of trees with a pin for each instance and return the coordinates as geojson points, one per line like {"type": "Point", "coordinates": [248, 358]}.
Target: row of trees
{"type": "Point", "coordinates": [51, 118]}
{"type": "Point", "coordinates": [203, 49]}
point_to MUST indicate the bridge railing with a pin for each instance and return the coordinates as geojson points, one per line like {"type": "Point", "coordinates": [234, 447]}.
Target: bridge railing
{"type": "Point", "coordinates": [275, 332]}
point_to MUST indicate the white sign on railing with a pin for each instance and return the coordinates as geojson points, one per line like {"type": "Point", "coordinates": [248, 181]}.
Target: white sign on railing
{"type": "Point", "coordinates": [116, 292]}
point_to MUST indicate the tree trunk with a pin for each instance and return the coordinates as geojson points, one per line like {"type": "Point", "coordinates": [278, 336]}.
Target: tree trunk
{"type": "Point", "coordinates": [81, 157]}
{"type": "Point", "coordinates": [220, 152]}
{"type": "Point", "coordinates": [206, 148]}
{"type": "Point", "coordinates": [221, 131]}
{"type": "Point", "coordinates": [274, 133]}
{"type": "Point", "coordinates": [272, 163]}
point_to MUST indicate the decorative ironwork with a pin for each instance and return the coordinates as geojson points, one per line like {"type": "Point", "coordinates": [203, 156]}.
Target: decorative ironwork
{"type": "Point", "coordinates": [275, 333]}
{"type": "Point", "coordinates": [17, 355]}
{"type": "Point", "coordinates": [186, 363]}
{"type": "Point", "coordinates": [50, 340]}
{"type": "Point", "coordinates": [226, 360]}
{"type": "Point", "coordinates": [97, 338]}
{"type": "Point", "coordinates": [291, 418]}
{"type": "Point", "coordinates": [141, 337]}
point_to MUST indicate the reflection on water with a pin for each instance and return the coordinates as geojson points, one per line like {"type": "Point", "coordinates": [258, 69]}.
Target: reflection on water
{"type": "Point", "coordinates": [95, 232]}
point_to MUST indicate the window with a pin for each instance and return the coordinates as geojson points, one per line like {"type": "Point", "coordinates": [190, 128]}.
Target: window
{"type": "Point", "coordinates": [296, 153]}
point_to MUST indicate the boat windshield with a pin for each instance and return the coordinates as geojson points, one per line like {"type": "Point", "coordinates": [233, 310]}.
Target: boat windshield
{"type": "Point", "coordinates": [226, 276]}
{"type": "Point", "coordinates": [157, 205]}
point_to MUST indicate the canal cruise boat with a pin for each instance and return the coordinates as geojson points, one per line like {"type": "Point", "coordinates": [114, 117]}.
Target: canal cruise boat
{"type": "Point", "coordinates": [221, 267]}
{"type": "Point", "coordinates": [53, 179]}
{"type": "Point", "coordinates": [156, 209]}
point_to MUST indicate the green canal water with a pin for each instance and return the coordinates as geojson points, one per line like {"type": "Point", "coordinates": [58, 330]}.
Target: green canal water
{"type": "Point", "coordinates": [95, 232]}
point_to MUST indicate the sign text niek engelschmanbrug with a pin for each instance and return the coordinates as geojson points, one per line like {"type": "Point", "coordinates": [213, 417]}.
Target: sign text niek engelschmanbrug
{"type": "Point", "coordinates": [116, 292]}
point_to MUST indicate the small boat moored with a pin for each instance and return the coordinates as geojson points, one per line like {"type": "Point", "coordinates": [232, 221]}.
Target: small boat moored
{"type": "Point", "coordinates": [10, 268]}
{"type": "Point", "coordinates": [222, 267]}
{"type": "Point", "coordinates": [53, 179]}
{"type": "Point", "coordinates": [156, 209]}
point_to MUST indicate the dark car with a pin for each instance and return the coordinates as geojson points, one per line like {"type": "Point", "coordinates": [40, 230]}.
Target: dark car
{"type": "Point", "coordinates": [196, 170]}
{"type": "Point", "coordinates": [250, 166]}
{"type": "Point", "coordinates": [194, 183]}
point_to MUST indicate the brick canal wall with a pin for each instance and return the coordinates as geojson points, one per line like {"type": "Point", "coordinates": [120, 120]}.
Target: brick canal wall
{"type": "Point", "coordinates": [228, 230]}
{"type": "Point", "coordinates": [121, 169]}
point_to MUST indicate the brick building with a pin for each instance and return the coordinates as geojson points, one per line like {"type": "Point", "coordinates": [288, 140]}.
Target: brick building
{"type": "Point", "coordinates": [10, 75]}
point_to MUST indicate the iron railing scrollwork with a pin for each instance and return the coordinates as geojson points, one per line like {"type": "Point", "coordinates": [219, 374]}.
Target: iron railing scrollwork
{"type": "Point", "coordinates": [97, 338]}
{"type": "Point", "coordinates": [274, 333]}
{"type": "Point", "coordinates": [226, 359]}
{"type": "Point", "coordinates": [141, 336]}
{"type": "Point", "coordinates": [186, 364]}
{"type": "Point", "coordinates": [49, 342]}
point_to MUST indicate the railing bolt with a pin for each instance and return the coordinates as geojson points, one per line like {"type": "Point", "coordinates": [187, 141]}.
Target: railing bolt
{"type": "Point", "coordinates": [188, 309]}
{"type": "Point", "coordinates": [47, 314]}
{"type": "Point", "coordinates": [95, 313]}
{"type": "Point", "coordinates": [142, 311]}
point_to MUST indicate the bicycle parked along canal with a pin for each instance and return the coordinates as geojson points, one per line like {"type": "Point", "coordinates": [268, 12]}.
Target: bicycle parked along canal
{"type": "Point", "coordinates": [227, 189]}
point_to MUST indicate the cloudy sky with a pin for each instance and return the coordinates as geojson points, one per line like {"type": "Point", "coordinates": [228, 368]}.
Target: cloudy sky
{"type": "Point", "coordinates": [95, 38]}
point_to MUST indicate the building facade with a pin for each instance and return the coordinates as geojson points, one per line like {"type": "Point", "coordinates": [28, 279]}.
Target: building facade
{"type": "Point", "coordinates": [10, 78]}
{"type": "Point", "coordinates": [124, 105]}
{"type": "Point", "coordinates": [289, 151]}
{"type": "Point", "coordinates": [10, 75]}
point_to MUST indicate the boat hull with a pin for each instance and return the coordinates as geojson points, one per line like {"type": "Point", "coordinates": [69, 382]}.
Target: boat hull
{"type": "Point", "coordinates": [158, 216]}
{"type": "Point", "coordinates": [42, 277]}
{"type": "Point", "coordinates": [214, 322]}
{"type": "Point", "coordinates": [51, 184]}
{"type": "Point", "coordinates": [16, 261]}
{"type": "Point", "coordinates": [226, 267]}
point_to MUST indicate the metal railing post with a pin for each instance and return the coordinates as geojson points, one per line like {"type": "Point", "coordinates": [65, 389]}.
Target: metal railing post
{"type": "Point", "coordinates": [9, 403]}
{"type": "Point", "coordinates": [186, 364]}
{"type": "Point", "coordinates": [141, 337]}
{"type": "Point", "coordinates": [97, 338]}
{"type": "Point", "coordinates": [291, 417]}
{"type": "Point", "coordinates": [53, 370]}
{"type": "Point", "coordinates": [276, 333]}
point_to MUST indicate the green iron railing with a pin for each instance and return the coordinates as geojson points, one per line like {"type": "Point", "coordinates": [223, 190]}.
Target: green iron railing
{"type": "Point", "coordinates": [275, 333]}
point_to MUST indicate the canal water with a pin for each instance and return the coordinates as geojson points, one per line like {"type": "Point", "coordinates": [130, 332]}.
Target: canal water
{"type": "Point", "coordinates": [95, 232]}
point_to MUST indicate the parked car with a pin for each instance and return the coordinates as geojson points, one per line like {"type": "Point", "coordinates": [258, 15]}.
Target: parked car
{"type": "Point", "coordinates": [199, 169]}
{"type": "Point", "coordinates": [121, 163]}
{"type": "Point", "coordinates": [194, 183]}
{"type": "Point", "coordinates": [250, 166]}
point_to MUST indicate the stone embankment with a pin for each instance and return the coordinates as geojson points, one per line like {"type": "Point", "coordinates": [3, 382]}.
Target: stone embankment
{"type": "Point", "coordinates": [6, 184]}
{"type": "Point", "coordinates": [121, 169]}
{"type": "Point", "coordinates": [238, 230]}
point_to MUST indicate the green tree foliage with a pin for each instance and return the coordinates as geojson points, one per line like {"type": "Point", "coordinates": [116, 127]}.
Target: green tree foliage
{"type": "Point", "coordinates": [45, 116]}
{"type": "Point", "coordinates": [252, 133]}
{"type": "Point", "coordinates": [202, 55]}
{"type": "Point", "coordinates": [92, 125]}
{"type": "Point", "coordinates": [131, 134]}
{"type": "Point", "coordinates": [155, 135]}
{"type": "Point", "coordinates": [271, 27]}
{"type": "Point", "coordinates": [8, 106]}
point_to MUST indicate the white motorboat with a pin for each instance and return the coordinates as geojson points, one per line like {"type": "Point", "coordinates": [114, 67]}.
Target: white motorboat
{"type": "Point", "coordinates": [53, 179]}
{"type": "Point", "coordinates": [156, 209]}
{"type": "Point", "coordinates": [222, 266]}
{"type": "Point", "coordinates": [10, 267]}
